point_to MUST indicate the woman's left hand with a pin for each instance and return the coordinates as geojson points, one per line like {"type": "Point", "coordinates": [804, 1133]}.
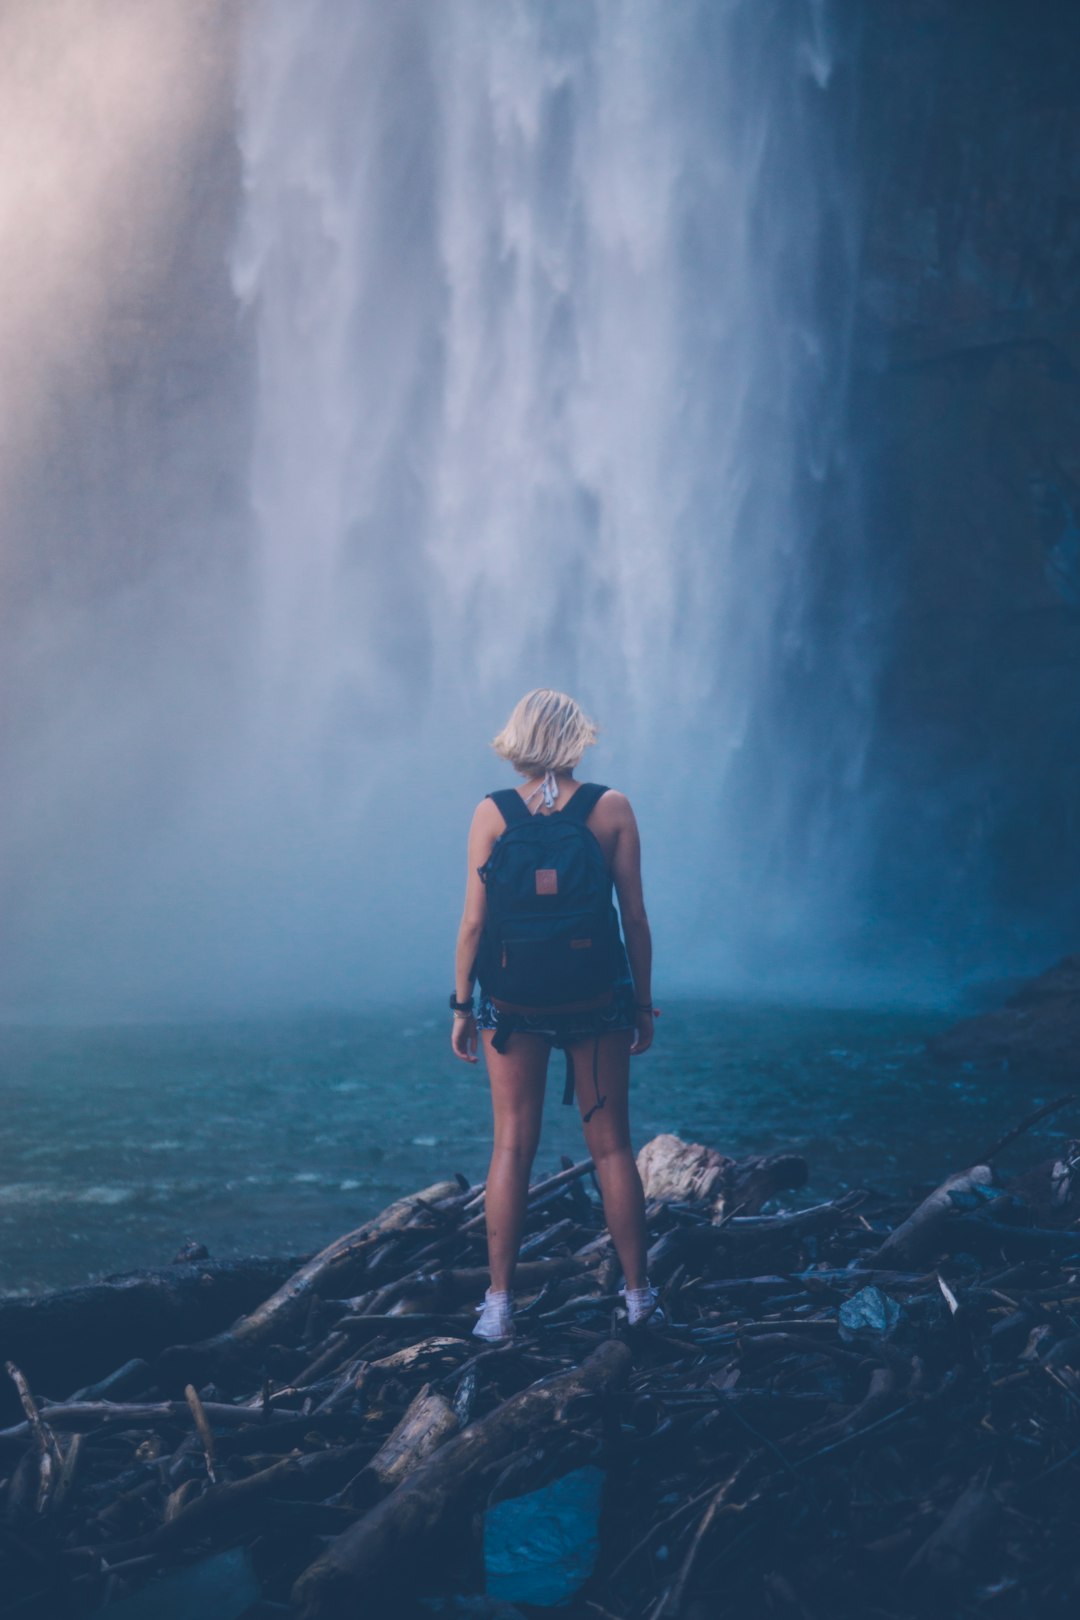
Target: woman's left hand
{"type": "Point", "coordinates": [463, 1038]}
{"type": "Point", "coordinates": [643, 1032]}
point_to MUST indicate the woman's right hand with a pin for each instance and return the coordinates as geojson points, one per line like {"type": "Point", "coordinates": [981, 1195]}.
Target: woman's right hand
{"type": "Point", "coordinates": [463, 1038]}
{"type": "Point", "coordinates": [643, 1031]}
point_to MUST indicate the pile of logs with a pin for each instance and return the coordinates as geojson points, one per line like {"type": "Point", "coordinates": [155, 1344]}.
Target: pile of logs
{"type": "Point", "coordinates": [856, 1408]}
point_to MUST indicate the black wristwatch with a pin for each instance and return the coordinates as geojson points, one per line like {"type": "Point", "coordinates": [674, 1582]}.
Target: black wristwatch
{"type": "Point", "coordinates": [460, 1006]}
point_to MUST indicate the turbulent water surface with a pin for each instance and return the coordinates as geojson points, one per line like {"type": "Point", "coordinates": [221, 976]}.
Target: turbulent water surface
{"type": "Point", "coordinates": [118, 1144]}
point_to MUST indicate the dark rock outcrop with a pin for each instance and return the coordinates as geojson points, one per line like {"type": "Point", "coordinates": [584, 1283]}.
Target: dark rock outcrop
{"type": "Point", "coordinates": [69, 1335]}
{"type": "Point", "coordinates": [967, 428]}
{"type": "Point", "coordinates": [1038, 1029]}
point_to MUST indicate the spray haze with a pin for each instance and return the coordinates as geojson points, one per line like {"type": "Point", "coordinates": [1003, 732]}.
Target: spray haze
{"type": "Point", "coordinates": [98, 103]}
{"type": "Point", "coordinates": [107, 111]}
{"type": "Point", "coordinates": [520, 345]}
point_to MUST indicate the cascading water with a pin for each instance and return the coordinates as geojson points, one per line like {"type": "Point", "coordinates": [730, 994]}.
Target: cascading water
{"type": "Point", "coordinates": [550, 307]}
{"type": "Point", "coordinates": [546, 305]}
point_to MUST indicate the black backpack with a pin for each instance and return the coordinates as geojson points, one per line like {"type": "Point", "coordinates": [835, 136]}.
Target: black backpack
{"type": "Point", "coordinates": [551, 940]}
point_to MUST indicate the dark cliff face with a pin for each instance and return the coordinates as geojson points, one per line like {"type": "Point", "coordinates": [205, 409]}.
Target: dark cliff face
{"type": "Point", "coordinates": [967, 426]}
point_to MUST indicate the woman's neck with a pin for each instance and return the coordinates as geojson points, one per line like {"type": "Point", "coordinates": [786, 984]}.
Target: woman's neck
{"type": "Point", "coordinates": [541, 792]}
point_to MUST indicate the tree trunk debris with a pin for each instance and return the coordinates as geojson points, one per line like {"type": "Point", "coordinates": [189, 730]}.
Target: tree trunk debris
{"type": "Point", "coordinates": [856, 1408]}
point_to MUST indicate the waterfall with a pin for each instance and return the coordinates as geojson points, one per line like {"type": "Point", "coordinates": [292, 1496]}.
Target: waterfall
{"type": "Point", "coordinates": [551, 304]}
{"type": "Point", "coordinates": [542, 311]}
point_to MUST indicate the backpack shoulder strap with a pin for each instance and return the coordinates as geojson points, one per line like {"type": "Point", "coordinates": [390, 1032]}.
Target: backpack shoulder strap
{"type": "Point", "coordinates": [510, 805]}
{"type": "Point", "coordinates": [584, 801]}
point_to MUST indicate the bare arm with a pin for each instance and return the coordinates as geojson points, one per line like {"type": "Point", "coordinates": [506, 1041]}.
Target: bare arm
{"type": "Point", "coordinates": [626, 872]}
{"type": "Point", "coordinates": [486, 827]}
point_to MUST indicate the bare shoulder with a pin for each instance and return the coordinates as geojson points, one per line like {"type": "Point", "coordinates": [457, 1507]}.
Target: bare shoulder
{"type": "Point", "coordinates": [613, 809]}
{"type": "Point", "coordinates": [487, 817]}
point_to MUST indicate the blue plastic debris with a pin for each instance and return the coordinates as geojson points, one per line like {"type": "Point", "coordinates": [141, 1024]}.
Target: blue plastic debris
{"type": "Point", "coordinates": [869, 1311]}
{"type": "Point", "coordinates": [223, 1587]}
{"type": "Point", "coordinates": [542, 1548]}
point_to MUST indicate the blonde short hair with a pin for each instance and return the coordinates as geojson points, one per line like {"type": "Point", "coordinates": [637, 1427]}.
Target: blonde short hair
{"type": "Point", "coordinates": [547, 731]}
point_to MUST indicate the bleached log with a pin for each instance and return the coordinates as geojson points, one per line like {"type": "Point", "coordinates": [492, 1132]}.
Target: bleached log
{"type": "Point", "coordinates": [914, 1239]}
{"type": "Point", "coordinates": [674, 1171]}
{"type": "Point", "coordinates": [423, 1353]}
{"type": "Point", "coordinates": [429, 1420]}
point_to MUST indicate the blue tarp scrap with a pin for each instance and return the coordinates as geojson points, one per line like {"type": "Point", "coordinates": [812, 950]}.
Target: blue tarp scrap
{"type": "Point", "coordinates": [219, 1588]}
{"type": "Point", "coordinates": [541, 1548]}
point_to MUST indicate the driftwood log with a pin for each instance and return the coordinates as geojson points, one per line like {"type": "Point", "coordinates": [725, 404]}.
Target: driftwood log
{"type": "Point", "coordinates": [916, 1237]}
{"type": "Point", "coordinates": [428, 1421]}
{"type": "Point", "coordinates": [856, 1408]}
{"type": "Point", "coordinates": [331, 1270]}
{"type": "Point", "coordinates": [373, 1561]}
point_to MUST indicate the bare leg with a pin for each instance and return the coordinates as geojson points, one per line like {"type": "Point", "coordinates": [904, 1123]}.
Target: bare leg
{"type": "Point", "coordinates": [517, 1100]}
{"type": "Point", "coordinates": [607, 1136]}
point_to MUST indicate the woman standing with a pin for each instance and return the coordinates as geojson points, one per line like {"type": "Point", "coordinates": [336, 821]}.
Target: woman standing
{"type": "Point", "coordinates": [544, 739]}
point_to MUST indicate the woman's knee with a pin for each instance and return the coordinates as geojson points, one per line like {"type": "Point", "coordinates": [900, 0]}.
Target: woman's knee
{"type": "Point", "coordinates": [609, 1147]}
{"type": "Point", "coordinates": [516, 1142]}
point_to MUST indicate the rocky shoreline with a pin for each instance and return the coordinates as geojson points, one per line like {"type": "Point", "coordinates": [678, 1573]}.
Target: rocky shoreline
{"type": "Point", "coordinates": [1037, 1031]}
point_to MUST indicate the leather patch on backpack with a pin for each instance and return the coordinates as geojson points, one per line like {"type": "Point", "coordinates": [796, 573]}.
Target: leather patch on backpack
{"type": "Point", "coordinates": [547, 880]}
{"type": "Point", "coordinates": [581, 944]}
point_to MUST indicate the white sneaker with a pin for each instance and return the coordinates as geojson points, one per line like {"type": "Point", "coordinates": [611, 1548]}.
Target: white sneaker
{"type": "Point", "coordinates": [496, 1316]}
{"type": "Point", "coordinates": [642, 1306]}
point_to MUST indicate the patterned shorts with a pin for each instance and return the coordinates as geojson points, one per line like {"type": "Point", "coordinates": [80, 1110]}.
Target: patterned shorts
{"type": "Point", "coordinates": [622, 1014]}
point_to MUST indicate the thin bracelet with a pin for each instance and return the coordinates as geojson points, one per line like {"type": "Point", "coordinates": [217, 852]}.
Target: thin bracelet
{"type": "Point", "coordinates": [645, 1006]}
{"type": "Point", "coordinates": [459, 1014]}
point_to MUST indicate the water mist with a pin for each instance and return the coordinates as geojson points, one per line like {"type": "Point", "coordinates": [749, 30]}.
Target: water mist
{"type": "Point", "coordinates": [541, 311]}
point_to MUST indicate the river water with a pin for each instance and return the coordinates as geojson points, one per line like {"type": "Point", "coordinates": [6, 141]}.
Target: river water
{"type": "Point", "coordinates": [119, 1143]}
